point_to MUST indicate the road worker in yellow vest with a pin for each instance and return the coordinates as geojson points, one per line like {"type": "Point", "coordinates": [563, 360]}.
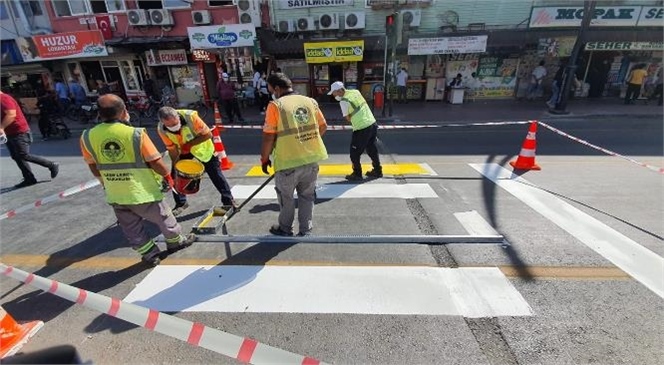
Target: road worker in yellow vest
{"type": "Point", "coordinates": [292, 135]}
{"type": "Point", "coordinates": [365, 130]}
{"type": "Point", "coordinates": [186, 136]}
{"type": "Point", "coordinates": [133, 175]}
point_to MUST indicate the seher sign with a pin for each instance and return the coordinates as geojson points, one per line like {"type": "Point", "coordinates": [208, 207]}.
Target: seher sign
{"type": "Point", "coordinates": [222, 36]}
{"type": "Point", "coordinates": [624, 46]}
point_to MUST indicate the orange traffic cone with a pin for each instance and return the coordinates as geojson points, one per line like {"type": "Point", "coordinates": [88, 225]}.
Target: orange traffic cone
{"type": "Point", "coordinates": [219, 150]}
{"type": "Point", "coordinates": [13, 335]}
{"type": "Point", "coordinates": [217, 118]}
{"type": "Point", "coordinates": [526, 159]}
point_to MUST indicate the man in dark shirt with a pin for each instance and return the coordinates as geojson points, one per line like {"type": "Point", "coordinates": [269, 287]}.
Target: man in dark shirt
{"type": "Point", "coordinates": [16, 128]}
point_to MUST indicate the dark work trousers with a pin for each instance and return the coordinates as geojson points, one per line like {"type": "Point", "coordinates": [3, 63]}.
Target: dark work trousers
{"type": "Point", "coordinates": [213, 170]}
{"type": "Point", "coordinates": [19, 150]}
{"type": "Point", "coordinates": [44, 125]}
{"type": "Point", "coordinates": [364, 139]}
{"type": "Point", "coordinates": [633, 92]}
{"type": "Point", "coordinates": [232, 108]}
{"type": "Point", "coordinates": [658, 94]}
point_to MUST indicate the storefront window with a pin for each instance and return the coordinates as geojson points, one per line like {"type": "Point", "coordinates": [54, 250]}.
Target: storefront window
{"type": "Point", "coordinates": [171, 4]}
{"type": "Point", "coordinates": [131, 81]}
{"type": "Point", "coordinates": [187, 83]}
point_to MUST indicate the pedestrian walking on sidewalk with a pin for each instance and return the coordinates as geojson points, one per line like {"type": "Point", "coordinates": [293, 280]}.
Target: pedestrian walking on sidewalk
{"type": "Point", "coordinates": [292, 135]}
{"type": "Point", "coordinates": [402, 80]}
{"type": "Point", "coordinates": [536, 78]}
{"type": "Point", "coordinates": [15, 129]}
{"type": "Point", "coordinates": [555, 86]}
{"type": "Point", "coordinates": [634, 82]}
{"type": "Point", "coordinates": [228, 99]}
{"type": "Point", "coordinates": [134, 177]}
{"type": "Point", "coordinates": [658, 94]}
{"type": "Point", "coordinates": [186, 137]}
{"type": "Point", "coordinates": [365, 130]}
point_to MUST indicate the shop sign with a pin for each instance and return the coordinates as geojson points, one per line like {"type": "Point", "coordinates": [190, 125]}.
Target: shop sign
{"type": "Point", "coordinates": [325, 52]}
{"type": "Point", "coordinates": [201, 55]}
{"type": "Point", "coordinates": [166, 57]}
{"type": "Point", "coordinates": [298, 4]}
{"type": "Point", "coordinates": [88, 43]}
{"type": "Point", "coordinates": [447, 45]}
{"type": "Point", "coordinates": [224, 36]}
{"type": "Point", "coordinates": [624, 46]}
{"type": "Point", "coordinates": [570, 16]}
{"type": "Point", "coordinates": [651, 16]}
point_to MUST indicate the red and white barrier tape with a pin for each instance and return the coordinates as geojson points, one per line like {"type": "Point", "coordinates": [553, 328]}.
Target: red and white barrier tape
{"type": "Point", "coordinates": [390, 126]}
{"type": "Point", "coordinates": [583, 142]}
{"type": "Point", "coordinates": [61, 195]}
{"type": "Point", "coordinates": [242, 349]}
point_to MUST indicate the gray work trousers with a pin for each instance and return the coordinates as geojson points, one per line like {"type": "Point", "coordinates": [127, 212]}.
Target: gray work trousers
{"type": "Point", "coordinates": [303, 180]}
{"type": "Point", "coordinates": [130, 219]}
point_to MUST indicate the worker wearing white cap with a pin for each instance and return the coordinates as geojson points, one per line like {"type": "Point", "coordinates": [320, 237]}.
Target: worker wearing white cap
{"type": "Point", "coordinates": [365, 130]}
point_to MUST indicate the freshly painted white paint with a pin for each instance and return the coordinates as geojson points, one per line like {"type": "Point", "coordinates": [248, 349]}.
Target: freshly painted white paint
{"type": "Point", "coordinates": [639, 262]}
{"type": "Point", "coordinates": [347, 191]}
{"type": "Point", "coordinates": [396, 290]}
{"type": "Point", "coordinates": [474, 223]}
{"type": "Point", "coordinates": [429, 169]}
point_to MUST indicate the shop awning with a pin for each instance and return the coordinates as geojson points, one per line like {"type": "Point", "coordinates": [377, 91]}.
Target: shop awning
{"type": "Point", "coordinates": [144, 40]}
{"type": "Point", "coordinates": [27, 68]}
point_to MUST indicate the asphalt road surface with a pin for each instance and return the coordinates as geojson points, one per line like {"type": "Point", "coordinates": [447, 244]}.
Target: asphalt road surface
{"type": "Point", "coordinates": [578, 280]}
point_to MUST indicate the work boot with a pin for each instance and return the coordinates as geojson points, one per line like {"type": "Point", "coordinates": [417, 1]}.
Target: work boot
{"type": "Point", "coordinates": [185, 241]}
{"type": "Point", "coordinates": [277, 231]}
{"type": "Point", "coordinates": [55, 169]}
{"type": "Point", "coordinates": [25, 183]}
{"type": "Point", "coordinates": [152, 257]}
{"type": "Point", "coordinates": [179, 208]}
{"type": "Point", "coordinates": [376, 173]}
{"type": "Point", "coordinates": [355, 176]}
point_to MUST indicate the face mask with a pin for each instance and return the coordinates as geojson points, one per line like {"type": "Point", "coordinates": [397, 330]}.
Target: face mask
{"type": "Point", "coordinates": [274, 97]}
{"type": "Point", "coordinates": [174, 128]}
{"type": "Point", "coordinates": [338, 98]}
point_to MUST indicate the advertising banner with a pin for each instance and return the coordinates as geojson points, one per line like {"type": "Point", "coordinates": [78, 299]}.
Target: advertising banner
{"type": "Point", "coordinates": [88, 43]}
{"type": "Point", "coordinates": [625, 46]}
{"type": "Point", "coordinates": [325, 52]}
{"type": "Point", "coordinates": [297, 4]}
{"type": "Point", "coordinates": [555, 47]}
{"type": "Point", "coordinates": [570, 16]}
{"type": "Point", "coordinates": [447, 45]}
{"type": "Point", "coordinates": [222, 36]}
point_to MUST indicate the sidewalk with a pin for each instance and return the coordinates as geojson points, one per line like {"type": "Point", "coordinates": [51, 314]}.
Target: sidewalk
{"type": "Point", "coordinates": [436, 112]}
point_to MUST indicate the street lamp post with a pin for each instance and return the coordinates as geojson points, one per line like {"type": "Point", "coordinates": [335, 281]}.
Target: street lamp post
{"type": "Point", "coordinates": [588, 12]}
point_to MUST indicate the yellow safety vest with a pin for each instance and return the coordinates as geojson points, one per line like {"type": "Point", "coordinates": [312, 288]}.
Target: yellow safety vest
{"type": "Point", "coordinates": [360, 115]}
{"type": "Point", "coordinates": [127, 178]}
{"type": "Point", "coordinates": [203, 151]}
{"type": "Point", "coordinates": [298, 140]}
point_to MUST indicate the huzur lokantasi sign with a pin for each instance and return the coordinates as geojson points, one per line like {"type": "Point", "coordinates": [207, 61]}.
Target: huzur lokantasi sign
{"type": "Point", "coordinates": [325, 52]}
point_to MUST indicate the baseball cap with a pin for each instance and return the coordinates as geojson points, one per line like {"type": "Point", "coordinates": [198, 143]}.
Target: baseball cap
{"type": "Point", "coordinates": [338, 85]}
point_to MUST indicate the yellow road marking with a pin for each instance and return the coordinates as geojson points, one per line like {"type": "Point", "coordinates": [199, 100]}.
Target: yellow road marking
{"type": "Point", "coordinates": [345, 169]}
{"type": "Point", "coordinates": [118, 263]}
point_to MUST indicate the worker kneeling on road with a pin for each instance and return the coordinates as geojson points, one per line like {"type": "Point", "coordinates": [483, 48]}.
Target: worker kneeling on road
{"type": "Point", "coordinates": [125, 161]}
{"type": "Point", "coordinates": [365, 130]}
{"type": "Point", "coordinates": [186, 136]}
{"type": "Point", "coordinates": [292, 134]}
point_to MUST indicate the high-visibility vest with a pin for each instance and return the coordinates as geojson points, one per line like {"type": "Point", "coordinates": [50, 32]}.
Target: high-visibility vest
{"type": "Point", "coordinates": [298, 140]}
{"type": "Point", "coordinates": [202, 151]}
{"type": "Point", "coordinates": [360, 115]}
{"type": "Point", "coordinates": [127, 178]}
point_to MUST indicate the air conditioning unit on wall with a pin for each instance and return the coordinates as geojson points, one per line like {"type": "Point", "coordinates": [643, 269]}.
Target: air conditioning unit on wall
{"type": "Point", "coordinates": [249, 11]}
{"type": "Point", "coordinates": [201, 17]}
{"type": "Point", "coordinates": [412, 17]}
{"type": "Point", "coordinates": [305, 24]}
{"type": "Point", "coordinates": [137, 17]}
{"type": "Point", "coordinates": [161, 17]}
{"type": "Point", "coordinates": [354, 20]}
{"type": "Point", "coordinates": [328, 21]}
{"type": "Point", "coordinates": [285, 26]}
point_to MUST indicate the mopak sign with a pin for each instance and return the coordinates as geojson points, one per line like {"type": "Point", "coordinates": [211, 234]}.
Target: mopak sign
{"type": "Point", "coordinates": [224, 36]}
{"type": "Point", "coordinates": [603, 16]}
{"type": "Point", "coordinates": [325, 52]}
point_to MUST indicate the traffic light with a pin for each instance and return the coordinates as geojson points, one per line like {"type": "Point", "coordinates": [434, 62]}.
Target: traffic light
{"type": "Point", "coordinates": [390, 23]}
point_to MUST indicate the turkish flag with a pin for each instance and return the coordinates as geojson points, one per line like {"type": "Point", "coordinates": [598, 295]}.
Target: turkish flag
{"type": "Point", "coordinates": [104, 25]}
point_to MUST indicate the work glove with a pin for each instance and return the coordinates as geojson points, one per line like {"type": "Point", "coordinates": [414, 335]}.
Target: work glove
{"type": "Point", "coordinates": [265, 164]}
{"type": "Point", "coordinates": [167, 184]}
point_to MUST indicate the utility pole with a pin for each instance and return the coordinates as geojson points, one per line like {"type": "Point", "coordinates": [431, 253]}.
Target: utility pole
{"type": "Point", "coordinates": [588, 12]}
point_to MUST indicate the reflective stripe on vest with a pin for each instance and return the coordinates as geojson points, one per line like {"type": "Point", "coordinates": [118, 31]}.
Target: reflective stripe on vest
{"type": "Point", "coordinates": [361, 116]}
{"type": "Point", "coordinates": [298, 141]}
{"type": "Point", "coordinates": [127, 178]}
{"type": "Point", "coordinates": [203, 151]}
